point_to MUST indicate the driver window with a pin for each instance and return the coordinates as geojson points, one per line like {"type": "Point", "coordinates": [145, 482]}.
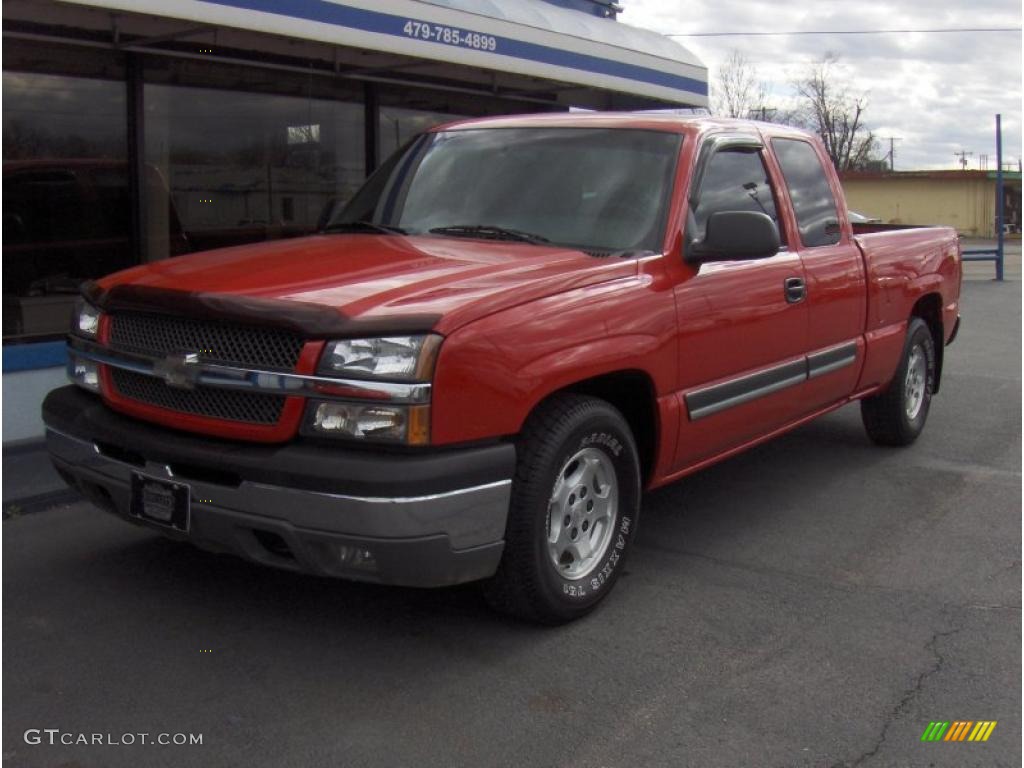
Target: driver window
{"type": "Point", "coordinates": [735, 181]}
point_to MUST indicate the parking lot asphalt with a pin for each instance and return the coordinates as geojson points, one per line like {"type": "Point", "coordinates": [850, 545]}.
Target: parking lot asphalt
{"type": "Point", "coordinates": [816, 601]}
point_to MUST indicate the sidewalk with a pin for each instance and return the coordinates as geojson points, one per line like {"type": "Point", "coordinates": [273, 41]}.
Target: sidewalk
{"type": "Point", "coordinates": [30, 481]}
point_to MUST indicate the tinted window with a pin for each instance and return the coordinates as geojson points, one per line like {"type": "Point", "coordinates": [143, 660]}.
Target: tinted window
{"type": "Point", "coordinates": [244, 166]}
{"type": "Point", "coordinates": [813, 202]}
{"type": "Point", "coordinates": [65, 195]}
{"type": "Point", "coordinates": [589, 188]}
{"type": "Point", "coordinates": [44, 207]}
{"type": "Point", "coordinates": [398, 124]}
{"type": "Point", "coordinates": [733, 181]}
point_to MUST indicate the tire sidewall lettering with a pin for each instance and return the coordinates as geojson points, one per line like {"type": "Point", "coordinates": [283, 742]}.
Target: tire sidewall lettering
{"type": "Point", "coordinates": [603, 440]}
{"type": "Point", "coordinates": [598, 581]}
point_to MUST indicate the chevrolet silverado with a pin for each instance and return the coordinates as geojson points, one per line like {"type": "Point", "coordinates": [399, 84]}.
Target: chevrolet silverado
{"type": "Point", "coordinates": [514, 329]}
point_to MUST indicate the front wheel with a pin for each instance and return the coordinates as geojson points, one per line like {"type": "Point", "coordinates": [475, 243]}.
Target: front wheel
{"type": "Point", "coordinates": [897, 415]}
{"type": "Point", "coordinates": [574, 510]}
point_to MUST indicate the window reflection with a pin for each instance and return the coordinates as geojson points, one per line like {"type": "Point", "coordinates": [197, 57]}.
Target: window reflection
{"type": "Point", "coordinates": [245, 167]}
{"type": "Point", "coordinates": [232, 155]}
{"type": "Point", "coordinates": [735, 181]}
{"type": "Point", "coordinates": [591, 188]}
{"type": "Point", "coordinates": [398, 125]}
{"type": "Point", "coordinates": [65, 195]}
{"type": "Point", "coordinates": [813, 201]}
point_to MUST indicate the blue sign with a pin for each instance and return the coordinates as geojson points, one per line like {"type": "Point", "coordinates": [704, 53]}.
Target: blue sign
{"type": "Point", "coordinates": [381, 23]}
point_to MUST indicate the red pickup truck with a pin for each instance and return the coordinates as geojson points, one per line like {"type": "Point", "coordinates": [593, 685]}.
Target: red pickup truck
{"type": "Point", "coordinates": [512, 331]}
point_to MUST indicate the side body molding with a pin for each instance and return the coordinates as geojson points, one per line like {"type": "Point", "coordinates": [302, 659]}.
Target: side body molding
{"type": "Point", "coordinates": [707, 401]}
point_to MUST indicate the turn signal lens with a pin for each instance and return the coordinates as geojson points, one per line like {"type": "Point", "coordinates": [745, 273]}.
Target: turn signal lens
{"type": "Point", "coordinates": [418, 432]}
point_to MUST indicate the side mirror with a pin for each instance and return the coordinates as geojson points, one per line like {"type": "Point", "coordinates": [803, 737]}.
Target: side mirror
{"type": "Point", "coordinates": [736, 235]}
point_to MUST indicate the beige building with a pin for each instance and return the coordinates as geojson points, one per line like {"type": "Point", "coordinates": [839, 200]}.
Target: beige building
{"type": "Point", "coordinates": [961, 199]}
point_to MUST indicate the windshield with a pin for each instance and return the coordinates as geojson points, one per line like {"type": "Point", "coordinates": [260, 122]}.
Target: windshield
{"type": "Point", "coordinates": [589, 188]}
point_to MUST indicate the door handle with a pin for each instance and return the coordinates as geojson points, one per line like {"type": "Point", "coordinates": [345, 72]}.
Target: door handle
{"type": "Point", "coordinates": [795, 290]}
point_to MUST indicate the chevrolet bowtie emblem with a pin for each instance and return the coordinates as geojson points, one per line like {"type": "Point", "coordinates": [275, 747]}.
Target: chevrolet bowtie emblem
{"type": "Point", "coordinates": [179, 370]}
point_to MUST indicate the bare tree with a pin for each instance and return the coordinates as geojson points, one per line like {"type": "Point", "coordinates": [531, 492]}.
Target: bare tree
{"type": "Point", "coordinates": [829, 109]}
{"type": "Point", "coordinates": [736, 91]}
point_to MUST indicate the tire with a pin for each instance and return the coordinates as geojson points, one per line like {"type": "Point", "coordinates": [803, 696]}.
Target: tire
{"type": "Point", "coordinates": [897, 415]}
{"type": "Point", "coordinates": [577, 486]}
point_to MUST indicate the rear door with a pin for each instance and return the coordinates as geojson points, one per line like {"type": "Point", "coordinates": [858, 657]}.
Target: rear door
{"type": "Point", "coordinates": [833, 268]}
{"type": "Point", "coordinates": [741, 339]}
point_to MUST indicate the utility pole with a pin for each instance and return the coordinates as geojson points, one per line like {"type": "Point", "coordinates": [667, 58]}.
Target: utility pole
{"type": "Point", "coordinates": [963, 158]}
{"type": "Point", "coordinates": [892, 151]}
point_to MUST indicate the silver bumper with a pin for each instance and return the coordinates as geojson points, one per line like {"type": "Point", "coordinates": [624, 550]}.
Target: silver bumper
{"type": "Point", "coordinates": [428, 540]}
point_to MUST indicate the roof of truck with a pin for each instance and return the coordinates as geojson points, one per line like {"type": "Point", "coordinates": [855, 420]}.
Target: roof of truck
{"type": "Point", "coordinates": [658, 121]}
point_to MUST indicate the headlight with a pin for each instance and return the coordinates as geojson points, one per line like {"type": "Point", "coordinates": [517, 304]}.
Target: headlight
{"type": "Point", "coordinates": [406, 424]}
{"type": "Point", "coordinates": [86, 320]}
{"type": "Point", "coordinates": [394, 358]}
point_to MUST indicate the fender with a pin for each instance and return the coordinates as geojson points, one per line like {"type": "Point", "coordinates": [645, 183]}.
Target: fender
{"type": "Point", "coordinates": [493, 372]}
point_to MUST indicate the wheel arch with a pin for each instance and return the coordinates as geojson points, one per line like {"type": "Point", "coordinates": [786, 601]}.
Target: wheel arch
{"type": "Point", "coordinates": [632, 393]}
{"type": "Point", "coordinates": [929, 309]}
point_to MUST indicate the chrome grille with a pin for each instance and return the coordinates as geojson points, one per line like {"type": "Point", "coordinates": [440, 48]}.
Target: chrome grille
{"type": "Point", "coordinates": [244, 346]}
{"type": "Point", "coordinates": [160, 335]}
{"type": "Point", "coordinates": [212, 403]}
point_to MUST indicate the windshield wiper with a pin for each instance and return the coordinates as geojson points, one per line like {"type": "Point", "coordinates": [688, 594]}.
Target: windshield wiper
{"type": "Point", "coordinates": [628, 253]}
{"type": "Point", "coordinates": [489, 232]}
{"type": "Point", "coordinates": [364, 226]}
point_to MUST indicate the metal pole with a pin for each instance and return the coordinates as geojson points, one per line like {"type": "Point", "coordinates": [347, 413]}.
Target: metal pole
{"type": "Point", "coordinates": [138, 186]}
{"type": "Point", "coordinates": [371, 127]}
{"type": "Point", "coordinates": [1000, 198]}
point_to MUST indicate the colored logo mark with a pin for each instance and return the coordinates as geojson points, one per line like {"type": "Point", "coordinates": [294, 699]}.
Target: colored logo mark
{"type": "Point", "coordinates": [959, 730]}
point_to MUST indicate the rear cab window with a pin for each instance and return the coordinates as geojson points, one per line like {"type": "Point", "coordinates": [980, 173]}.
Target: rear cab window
{"type": "Point", "coordinates": [810, 192]}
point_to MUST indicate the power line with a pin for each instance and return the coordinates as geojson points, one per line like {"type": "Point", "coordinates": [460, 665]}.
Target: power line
{"type": "Point", "coordinates": [956, 30]}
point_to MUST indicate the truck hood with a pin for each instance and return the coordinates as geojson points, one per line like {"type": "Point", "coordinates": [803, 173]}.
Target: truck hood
{"type": "Point", "coordinates": [440, 283]}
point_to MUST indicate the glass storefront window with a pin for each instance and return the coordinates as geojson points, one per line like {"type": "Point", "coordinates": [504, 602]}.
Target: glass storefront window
{"type": "Point", "coordinates": [243, 167]}
{"type": "Point", "coordinates": [397, 125]}
{"type": "Point", "coordinates": [65, 195]}
{"type": "Point", "coordinates": [233, 154]}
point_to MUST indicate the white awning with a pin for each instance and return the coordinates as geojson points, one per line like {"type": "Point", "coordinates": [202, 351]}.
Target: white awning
{"type": "Point", "coordinates": [526, 37]}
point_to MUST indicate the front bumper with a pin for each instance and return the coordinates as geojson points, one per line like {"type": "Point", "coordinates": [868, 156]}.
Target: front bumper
{"type": "Point", "coordinates": [427, 520]}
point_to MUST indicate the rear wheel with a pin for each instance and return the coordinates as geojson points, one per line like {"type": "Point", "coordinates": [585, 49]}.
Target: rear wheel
{"type": "Point", "coordinates": [573, 516]}
{"type": "Point", "coordinates": [897, 415]}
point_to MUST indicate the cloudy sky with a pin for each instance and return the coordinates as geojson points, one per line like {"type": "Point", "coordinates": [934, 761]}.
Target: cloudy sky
{"type": "Point", "coordinates": [939, 93]}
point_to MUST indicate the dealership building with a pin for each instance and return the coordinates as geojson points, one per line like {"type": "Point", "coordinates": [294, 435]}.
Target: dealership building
{"type": "Point", "coordinates": [141, 130]}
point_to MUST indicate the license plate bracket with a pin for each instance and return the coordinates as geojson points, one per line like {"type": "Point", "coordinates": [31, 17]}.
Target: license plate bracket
{"type": "Point", "coordinates": [162, 502]}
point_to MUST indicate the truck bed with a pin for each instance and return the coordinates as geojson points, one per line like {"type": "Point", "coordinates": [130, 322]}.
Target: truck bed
{"type": "Point", "coordinates": [905, 268]}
